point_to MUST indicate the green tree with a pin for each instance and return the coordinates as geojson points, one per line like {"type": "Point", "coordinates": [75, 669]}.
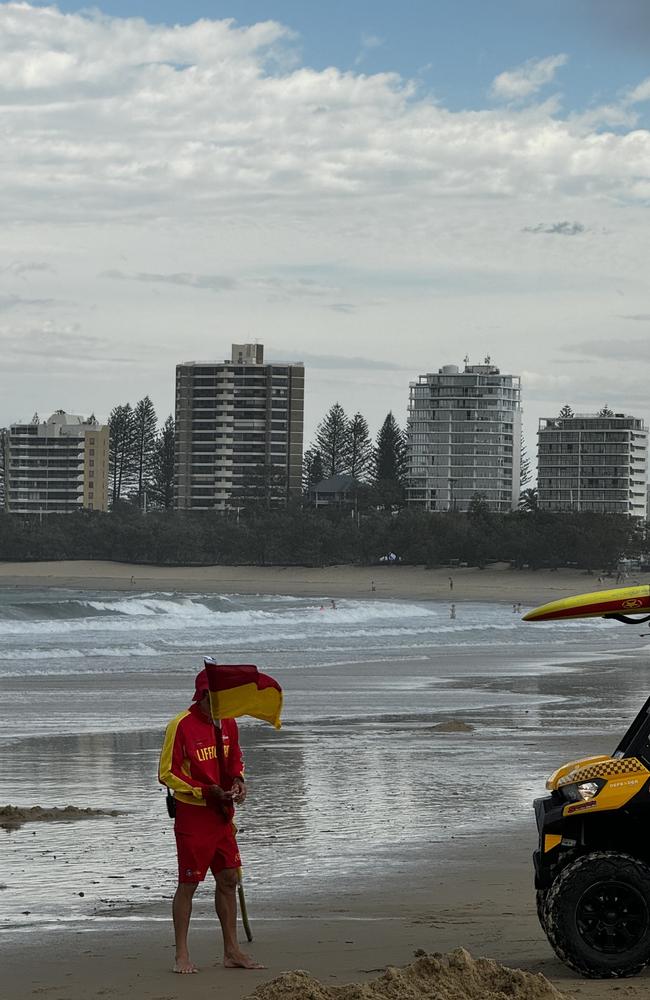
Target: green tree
{"type": "Point", "coordinates": [566, 411]}
{"type": "Point", "coordinates": [390, 452]}
{"type": "Point", "coordinates": [263, 488]}
{"type": "Point", "coordinates": [312, 469]}
{"type": "Point", "coordinates": [333, 441]}
{"type": "Point", "coordinates": [605, 412]}
{"type": "Point", "coordinates": [121, 451]}
{"type": "Point", "coordinates": [161, 485]}
{"type": "Point", "coordinates": [360, 448]}
{"type": "Point", "coordinates": [528, 500]}
{"type": "Point", "coordinates": [145, 429]}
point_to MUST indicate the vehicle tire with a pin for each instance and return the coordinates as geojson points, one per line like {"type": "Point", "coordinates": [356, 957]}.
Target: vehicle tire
{"type": "Point", "coordinates": [597, 915]}
{"type": "Point", "coordinates": [540, 901]}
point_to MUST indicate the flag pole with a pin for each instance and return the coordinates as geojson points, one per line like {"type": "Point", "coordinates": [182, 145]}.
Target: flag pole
{"type": "Point", "coordinates": [243, 909]}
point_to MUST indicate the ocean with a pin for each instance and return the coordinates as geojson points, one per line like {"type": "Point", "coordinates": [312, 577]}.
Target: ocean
{"type": "Point", "coordinates": [360, 781]}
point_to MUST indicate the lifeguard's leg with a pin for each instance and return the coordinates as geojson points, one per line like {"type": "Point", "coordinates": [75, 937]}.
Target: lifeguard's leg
{"type": "Point", "coordinates": [181, 913]}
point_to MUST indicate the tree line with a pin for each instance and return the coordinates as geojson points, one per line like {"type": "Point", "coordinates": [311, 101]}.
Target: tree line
{"type": "Point", "coordinates": [306, 536]}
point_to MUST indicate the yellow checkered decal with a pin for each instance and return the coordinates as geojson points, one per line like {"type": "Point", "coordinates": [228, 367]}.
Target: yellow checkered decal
{"type": "Point", "coordinates": [604, 769]}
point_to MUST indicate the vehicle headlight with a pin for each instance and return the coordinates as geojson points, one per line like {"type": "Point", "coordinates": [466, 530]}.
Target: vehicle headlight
{"type": "Point", "coordinates": [587, 789]}
{"type": "Point", "coordinates": [583, 791]}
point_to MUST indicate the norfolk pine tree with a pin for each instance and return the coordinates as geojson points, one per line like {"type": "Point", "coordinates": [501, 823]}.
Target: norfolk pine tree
{"type": "Point", "coordinates": [333, 441]}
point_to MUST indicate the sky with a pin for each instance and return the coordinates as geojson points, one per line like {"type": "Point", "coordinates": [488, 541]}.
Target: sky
{"type": "Point", "coordinates": [374, 189]}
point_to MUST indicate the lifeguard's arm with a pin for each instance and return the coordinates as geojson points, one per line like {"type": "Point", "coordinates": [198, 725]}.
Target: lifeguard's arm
{"type": "Point", "coordinates": [172, 756]}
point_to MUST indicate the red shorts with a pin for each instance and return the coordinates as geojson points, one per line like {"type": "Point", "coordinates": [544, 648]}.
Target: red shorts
{"type": "Point", "coordinates": [203, 840]}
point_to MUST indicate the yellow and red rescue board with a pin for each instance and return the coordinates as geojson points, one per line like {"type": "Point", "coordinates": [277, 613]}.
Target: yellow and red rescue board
{"type": "Point", "coordinates": [622, 601]}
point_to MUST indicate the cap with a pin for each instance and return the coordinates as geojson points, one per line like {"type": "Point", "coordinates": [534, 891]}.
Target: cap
{"type": "Point", "coordinates": [201, 685]}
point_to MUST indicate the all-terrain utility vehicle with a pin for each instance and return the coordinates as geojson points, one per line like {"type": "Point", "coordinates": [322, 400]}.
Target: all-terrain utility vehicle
{"type": "Point", "coordinates": [592, 866]}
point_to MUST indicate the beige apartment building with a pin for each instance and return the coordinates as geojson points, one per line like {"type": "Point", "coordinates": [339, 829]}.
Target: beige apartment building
{"type": "Point", "coordinates": [593, 461]}
{"type": "Point", "coordinates": [239, 428]}
{"type": "Point", "coordinates": [56, 466]}
{"type": "Point", "coordinates": [464, 438]}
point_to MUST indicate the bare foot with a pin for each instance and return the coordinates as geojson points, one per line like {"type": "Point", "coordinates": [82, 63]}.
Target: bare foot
{"type": "Point", "coordinates": [240, 960]}
{"type": "Point", "coordinates": [184, 966]}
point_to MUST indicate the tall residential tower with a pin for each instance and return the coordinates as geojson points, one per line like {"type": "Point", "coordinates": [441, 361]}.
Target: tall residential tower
{"type": "Point", "coordinates": [464, 438]}
{"type": "Point", "coordinates": [239, 429]}
{"type": "Point", "coordinates": [56, 466]}
{"type": "Point", "coordinates": [593, 461]}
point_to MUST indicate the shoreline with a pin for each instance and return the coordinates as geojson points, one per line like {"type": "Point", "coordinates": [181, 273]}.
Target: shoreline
{"type": "Point", "coordinates": [494, 584]}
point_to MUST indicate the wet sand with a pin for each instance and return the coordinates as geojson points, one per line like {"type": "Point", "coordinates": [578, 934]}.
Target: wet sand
{"type": "Point", "coordinates": [497, 582]}
{"type": "Point", "coordinates": [478, 899]}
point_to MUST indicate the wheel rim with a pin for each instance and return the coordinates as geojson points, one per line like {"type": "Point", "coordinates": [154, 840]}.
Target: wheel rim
{"type": "Point", "coordinates": [612, 917]}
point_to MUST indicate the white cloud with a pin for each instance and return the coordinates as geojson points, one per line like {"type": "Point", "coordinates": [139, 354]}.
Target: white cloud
{"type": "Point", "coordinates": [240, 196]}
{"type": "Point", "coordinates": [527, 79]}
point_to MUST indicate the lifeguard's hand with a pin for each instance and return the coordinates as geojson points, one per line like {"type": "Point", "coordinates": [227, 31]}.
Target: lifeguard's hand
{"type": "Point", "coordinates": [238, 791]}
{"type": "Point", "coordinates": [217, 793]}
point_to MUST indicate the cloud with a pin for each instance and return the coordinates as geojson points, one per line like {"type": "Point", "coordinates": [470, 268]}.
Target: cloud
{"type": "Point", "coordinates": [8, 302]}
{"type": "Point", "coordinates": [109, 118]}
{"type": "Point", "coordinates": [556, 228]}
{"type": "Point", "coordinates": [616, 349]}
{"type": "Point", "coordinates": [334, 362]}
{"type": "Point", "coordinates": [61, 344]}
{"type": "Point", "coordinates": [637, 317]}
{"type": "Point", "coordinates": [368, 43]}
{"type": "Point", "coordinates": [210, 282]}
{"type": "Point", "coordinates": [272, 287]}
{"type": "Point", "coordinates": [18, 268]}
{"type": "Point", "coordinates": [527, 79]}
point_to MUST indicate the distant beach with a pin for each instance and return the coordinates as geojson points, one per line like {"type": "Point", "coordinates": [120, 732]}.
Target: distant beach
{"type": "Point", "coordinates": [495, 583]}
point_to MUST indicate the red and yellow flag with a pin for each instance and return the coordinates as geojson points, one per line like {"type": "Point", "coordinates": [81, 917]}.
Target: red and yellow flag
{"type": "Point", "coordinates": [240, 689]}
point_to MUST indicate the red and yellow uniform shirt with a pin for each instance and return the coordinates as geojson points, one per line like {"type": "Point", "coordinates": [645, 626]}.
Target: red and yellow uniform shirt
{"type": "Point", "coordinates": [191, 759]}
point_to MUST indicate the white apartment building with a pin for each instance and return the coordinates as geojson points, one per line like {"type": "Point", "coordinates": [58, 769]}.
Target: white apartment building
{"type": "Point", "coordinates": [56, 466]}
{"type": "Point", "coordinates": [590, 461]}
{"type": "Point", "coordinates": [464, 438]}
{"type": "Point", "coordinates": [236, 421]}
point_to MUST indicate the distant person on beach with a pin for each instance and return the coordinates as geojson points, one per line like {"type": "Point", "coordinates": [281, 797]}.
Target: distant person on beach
{"type": "Point", "coordinates": [333, 605]}
{"type": "Point", "coordinates": [372, 586]}
{"type": "Point", "coordinates": [451, 583]}
{"type": "Point", "coordinates": [514, 609]}
{"type": "Point", "coordinates": [201, 762]}
{"type": "Point", "coordinates": [452, 611]}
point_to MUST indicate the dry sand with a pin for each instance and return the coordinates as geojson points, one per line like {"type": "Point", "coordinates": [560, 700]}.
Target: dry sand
{"type": "Point", "coordinates": [495, 583]}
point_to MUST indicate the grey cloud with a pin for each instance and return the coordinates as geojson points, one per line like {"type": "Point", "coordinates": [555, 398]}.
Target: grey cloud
{"type": "Point", "coordinates": [341, 362]}
{"type": "Point", "coordinates": [18, 267]}
{"type": "Point", "coordinates": [610, 350]}
{"type": "Point", "coordinates": [58, 345]}
{"type": "Point", "coordinates": [209, 282]}
{"type": "Point", "coordinates": [556, 228]}
{"type": "Point", "coordinates": [342, 307]}
{"type": "Point", "coordinates": [638, 317]}
{"type": "Point", "coordinates": [8, 302]}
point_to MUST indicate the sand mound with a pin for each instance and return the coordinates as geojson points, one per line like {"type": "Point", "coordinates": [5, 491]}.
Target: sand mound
{"type": "Point", "coordinates": [454, 726]}
{"type": "Point", "coordinates": [11, 816]}
{"type": "Point", "coordinates": [456, 976]}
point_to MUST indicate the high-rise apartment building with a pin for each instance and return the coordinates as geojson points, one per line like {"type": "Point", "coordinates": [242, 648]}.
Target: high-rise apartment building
{"type": "Point", "coordinates": [464, 438]}
{"type": "Point", "coordinates": [56, 466]}
{"type": "Point", "coordinates": [589, 461]}
{"type": "Point", "coordinates": [239, 430]}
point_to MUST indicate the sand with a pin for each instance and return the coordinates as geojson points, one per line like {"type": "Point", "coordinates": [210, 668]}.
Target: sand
{"type": "Point", "coordinates": [14, 816]}
{"type": "Point", "coordinates": [431, 977]}
{"type": "Point", "coordinates": [497, 582]}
